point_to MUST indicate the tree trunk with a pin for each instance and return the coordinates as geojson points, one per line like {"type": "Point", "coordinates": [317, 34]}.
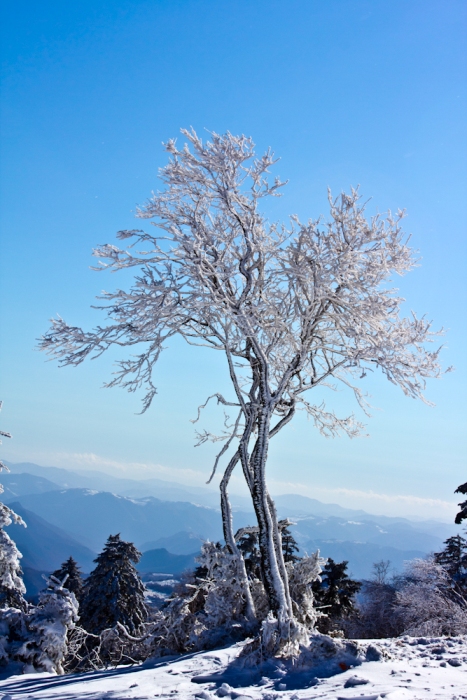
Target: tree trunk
{"type": "Point", "coordinates": [227, 525]}
{"type": "Point", "coordinates": [275, 576]}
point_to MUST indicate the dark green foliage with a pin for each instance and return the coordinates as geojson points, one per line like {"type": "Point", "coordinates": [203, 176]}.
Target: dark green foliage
{"type": "Point", "coordinates": [114, 591]}
{"type": "Point", "coordinates": [12, 597]}
{"type": "Point", "coordinates": [248, 545]}
{"type": "Point", "coordinates": [453, 558]}
{"type": "Point", "coordinates": [73, 582]}
{"type": "Point", "coordinates": [462, 514]}
{"type": "Point", "coordinates": [289, 546]}
{"type": "Point", "coordinates": [335, 594]}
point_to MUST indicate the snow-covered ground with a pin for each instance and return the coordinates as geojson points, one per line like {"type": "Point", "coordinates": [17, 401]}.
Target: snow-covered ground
{"type": "Point", "coordinates": [421, 669]}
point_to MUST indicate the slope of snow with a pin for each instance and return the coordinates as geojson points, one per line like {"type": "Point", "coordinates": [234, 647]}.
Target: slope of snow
{"type": "Point", "coordinates": [411, 669]}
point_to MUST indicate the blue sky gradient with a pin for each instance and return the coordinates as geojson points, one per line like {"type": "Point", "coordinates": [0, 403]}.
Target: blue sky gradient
{"type": "Point", "coordinates": [346, 92]}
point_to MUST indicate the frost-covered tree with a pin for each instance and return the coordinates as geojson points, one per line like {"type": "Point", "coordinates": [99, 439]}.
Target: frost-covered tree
{"type": "Point", "coordinates": [32, 638]}
{"type": "Point", "coordinates": [426, 603]}
{"type": "Point", "coordinates": [48, 623]}
{"type": "Point", "coordinates": [12, 588]}
{"type": "Point", "coordinates": [37, 639]}
{"type": "Point", "coordinates": [292, 310]}
{"type": "Point", "coordinates": [70, 571]}
{"type": "Point", "coordinates": [114, 593]}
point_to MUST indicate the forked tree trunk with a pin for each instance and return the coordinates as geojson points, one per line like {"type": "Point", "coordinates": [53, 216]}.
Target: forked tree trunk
{"type": "Point", "coordinates": [270, 542]}
{"type": "Point", "coordinates": [227, 525]}
{"type": "Point", "coordinates": [274, 572]}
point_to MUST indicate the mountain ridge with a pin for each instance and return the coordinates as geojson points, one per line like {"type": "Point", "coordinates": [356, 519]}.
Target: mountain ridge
{"type": "Point", "coordinates": [89, 515]}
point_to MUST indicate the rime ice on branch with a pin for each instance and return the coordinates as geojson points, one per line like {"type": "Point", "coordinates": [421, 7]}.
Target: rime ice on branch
{"type": "Point", "coordinates": [291, 308]}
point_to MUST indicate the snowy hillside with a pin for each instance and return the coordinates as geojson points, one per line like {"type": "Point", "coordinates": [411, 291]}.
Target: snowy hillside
{"type": "Point", "coordinates": [409, 669]}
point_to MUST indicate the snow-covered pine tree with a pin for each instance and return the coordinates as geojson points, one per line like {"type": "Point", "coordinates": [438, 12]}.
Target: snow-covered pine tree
{"type": "Point", "coordinates": [12, 588]}
{"type": "Point", "coordinates": [335, 594]}
{"type": "Point", "coordinates": [48, 623]}
{"type": "Point", "coordinates": [453, 559]}
{"type": "Point", "coordinates": [72, 572]}
{"type": "Point", "coordinates": [114, 592]}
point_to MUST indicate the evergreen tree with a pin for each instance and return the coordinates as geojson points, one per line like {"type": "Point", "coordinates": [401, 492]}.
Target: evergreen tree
{"type": "Point", "coordinates": [248, 545]}
{"type": "Point", "coordinates": [114, 591]}
{"type": "Point", "coordinates": [74, 582]}
{"type": "Point", "coordinates": [289, 546]}
{"type": "Point", "coordinates": [462, 514]}
{"type": "Point", "coordinates": [335, 593]}
{"type": "Point", "coordinates": [48, 626]}
{"type": "Point", "coordinates": [453, 558]}
{"type": "Point", "coordinates": [12, 588]}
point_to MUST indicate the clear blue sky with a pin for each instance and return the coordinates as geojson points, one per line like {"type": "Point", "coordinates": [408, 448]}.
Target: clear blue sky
{"type": "Point", "coordinates": [347, 92]}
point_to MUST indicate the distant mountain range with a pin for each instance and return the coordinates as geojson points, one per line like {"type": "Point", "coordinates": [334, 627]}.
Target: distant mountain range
{"type": "Point", "coordinates": [72, 513]}
{"type": "Point", "coordinates": [91, 516]}
{"type": "Point", "coordinates": [44, 546]}
{"type": "Point", "coordinates": [164, 490]}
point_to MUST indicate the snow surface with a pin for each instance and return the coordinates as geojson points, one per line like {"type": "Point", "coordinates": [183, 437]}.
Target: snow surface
{"type": "Point", "coordinates": [413, 668]}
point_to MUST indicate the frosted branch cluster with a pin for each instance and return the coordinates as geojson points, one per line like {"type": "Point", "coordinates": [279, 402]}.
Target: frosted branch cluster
{"type": "Point", "coordinates": [311, 300]}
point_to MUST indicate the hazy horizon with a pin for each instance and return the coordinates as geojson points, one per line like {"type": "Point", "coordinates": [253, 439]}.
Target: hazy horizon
{"type": "Point", "coordinates": [407, 507]}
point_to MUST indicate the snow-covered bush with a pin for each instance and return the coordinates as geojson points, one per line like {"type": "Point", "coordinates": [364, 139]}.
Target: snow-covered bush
{"type": "Point", "coordinates": [422, 601]}
{"type": "Point", "coordinates": [302, 574]}
{"type": "Point", "coordinates": [48, 624]}
{"type": "Point", "coordinates": [37, 639]}
{"type": "Point", "coordinates": [31, 637]}
{"type": "Point", "coordinates": [426, 603]}
{"type": "Point", "coordinates": [210, 607]}
{"type": "Point", "coordinates": [13, 632]}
